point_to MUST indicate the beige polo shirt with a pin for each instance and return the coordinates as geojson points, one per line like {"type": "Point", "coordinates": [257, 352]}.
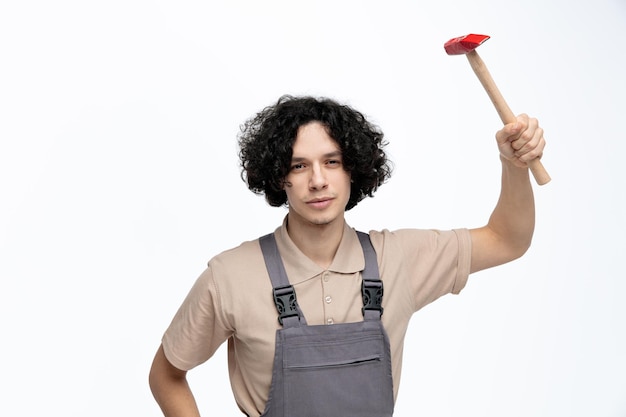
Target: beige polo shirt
{"type": "Point", "coordinates": [232, 299]}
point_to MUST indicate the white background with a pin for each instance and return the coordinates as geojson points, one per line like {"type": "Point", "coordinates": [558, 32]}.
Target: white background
{"type": "Point", "coordinates": [119, 179]}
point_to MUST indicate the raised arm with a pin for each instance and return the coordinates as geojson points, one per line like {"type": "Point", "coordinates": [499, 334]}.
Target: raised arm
{"type": "Point", "coordinates": [170, 389]}
{"type": "Point", "coordinates": [509, 231]}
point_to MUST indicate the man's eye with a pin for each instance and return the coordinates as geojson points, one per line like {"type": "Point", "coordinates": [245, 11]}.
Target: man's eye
{"type": "Point", "coordinates": [297, 166]}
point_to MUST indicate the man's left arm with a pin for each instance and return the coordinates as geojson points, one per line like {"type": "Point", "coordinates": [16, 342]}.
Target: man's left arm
{"type": "Point", "coordinates": [509, 231]}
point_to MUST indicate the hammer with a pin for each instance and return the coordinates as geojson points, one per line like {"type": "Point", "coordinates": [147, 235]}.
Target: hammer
{"type": "Point", "coordinates": [466, 45]}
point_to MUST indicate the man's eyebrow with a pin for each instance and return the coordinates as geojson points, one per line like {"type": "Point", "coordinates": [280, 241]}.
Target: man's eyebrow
{"type": "Point", "coordinates": [333, 154]}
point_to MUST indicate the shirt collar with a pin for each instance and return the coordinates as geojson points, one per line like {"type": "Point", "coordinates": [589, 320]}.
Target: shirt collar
{"type": "Point", "coordinates": [349, 258]}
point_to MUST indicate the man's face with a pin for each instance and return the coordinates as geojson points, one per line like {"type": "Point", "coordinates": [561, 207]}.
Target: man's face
{"type": "Point", "coordinates": [317, 186]}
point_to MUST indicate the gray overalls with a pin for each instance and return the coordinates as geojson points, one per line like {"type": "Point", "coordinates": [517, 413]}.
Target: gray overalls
{"type": "Point", "coordinates": [339, 370]}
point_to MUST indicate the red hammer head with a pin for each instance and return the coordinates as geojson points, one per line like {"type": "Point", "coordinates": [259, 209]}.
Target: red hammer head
{"type": "Point", "coordinates": [464, 44]}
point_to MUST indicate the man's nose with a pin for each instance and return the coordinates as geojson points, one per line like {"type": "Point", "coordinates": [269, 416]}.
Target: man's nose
{"type": "Point", "coordinates": [318, 178]}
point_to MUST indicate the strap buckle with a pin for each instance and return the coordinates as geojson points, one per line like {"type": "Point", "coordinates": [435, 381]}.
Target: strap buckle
{"type": "Point", "coordinates": [286, 304]}
{"type": "Point", "coordinates": [372, 291]}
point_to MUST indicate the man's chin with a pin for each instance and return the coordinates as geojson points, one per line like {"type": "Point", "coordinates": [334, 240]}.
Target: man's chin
{"type": "Point", "coordinates": [325, 221]}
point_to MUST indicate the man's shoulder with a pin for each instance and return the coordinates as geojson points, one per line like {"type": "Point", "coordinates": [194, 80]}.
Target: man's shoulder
{"type": "Point", "coordinates": [239, 267]}
{"type": "Point", "coordinates": [238, 253]}
{"type": "Point", "coordinates": [400, 234]}
{"type": "Point", "coordinates": [388, 240]}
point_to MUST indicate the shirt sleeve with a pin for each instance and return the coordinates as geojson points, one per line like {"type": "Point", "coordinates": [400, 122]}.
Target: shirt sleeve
{"type": "Point", "coordinates": [198, 328]}
{"type": "Point", "coordinates": [431, 263]}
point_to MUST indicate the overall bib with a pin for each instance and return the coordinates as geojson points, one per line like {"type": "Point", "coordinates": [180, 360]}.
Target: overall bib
{"type": "Point", "coordinates": [341, 370]}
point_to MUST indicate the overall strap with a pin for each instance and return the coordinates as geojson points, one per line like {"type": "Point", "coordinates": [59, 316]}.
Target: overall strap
{"type": "Point", "coordinates": [289, 313]}
{"type": "Point", "coordinates": [372, 286]}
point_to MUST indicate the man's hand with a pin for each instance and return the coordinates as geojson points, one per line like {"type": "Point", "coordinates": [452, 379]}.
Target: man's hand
{"type": "Point", "coordinates": [521, 142]}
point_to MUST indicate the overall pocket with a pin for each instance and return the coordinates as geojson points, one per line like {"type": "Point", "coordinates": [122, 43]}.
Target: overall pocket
{"type": "Point", "coordinates": [347, 374]}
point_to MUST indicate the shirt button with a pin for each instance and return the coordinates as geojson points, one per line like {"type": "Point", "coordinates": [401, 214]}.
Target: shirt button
{"type": "Point", "coordinates": [330, 321]}
{"type": "Point", "coordinates": [328, 299]}
{"type": "Point", "coordinates": [326, 278]}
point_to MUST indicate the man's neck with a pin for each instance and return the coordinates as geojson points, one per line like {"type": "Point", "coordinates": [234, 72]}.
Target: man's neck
{"type": "Point", "coordinates": [318, 242]}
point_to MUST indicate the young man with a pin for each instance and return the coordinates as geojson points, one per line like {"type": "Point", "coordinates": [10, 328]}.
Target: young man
{"type": "Point", "coordinates": [336, 348]}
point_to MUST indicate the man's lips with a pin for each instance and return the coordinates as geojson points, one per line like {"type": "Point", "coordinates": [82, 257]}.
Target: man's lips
{"type": "Point", "coordinates": [321, 202]}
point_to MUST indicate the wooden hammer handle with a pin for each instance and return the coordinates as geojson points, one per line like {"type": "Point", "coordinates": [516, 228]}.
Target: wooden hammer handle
{"type": "Point", "coordinates": [504, 111]}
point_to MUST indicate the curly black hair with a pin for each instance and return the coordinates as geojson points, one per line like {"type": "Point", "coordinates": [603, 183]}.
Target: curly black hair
{"type": "Point", "coordinates": [266, 141]}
